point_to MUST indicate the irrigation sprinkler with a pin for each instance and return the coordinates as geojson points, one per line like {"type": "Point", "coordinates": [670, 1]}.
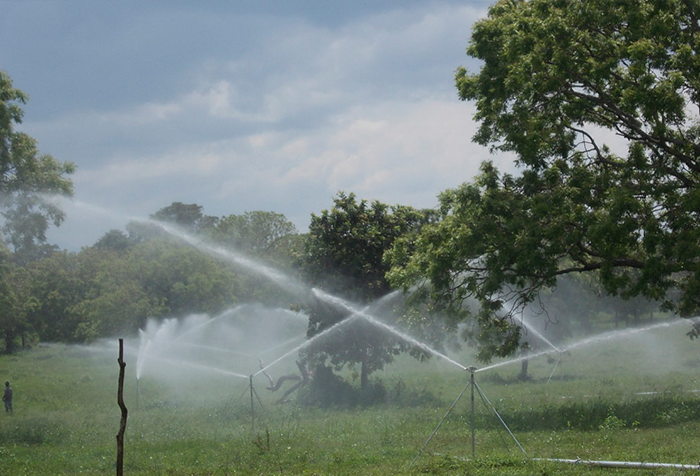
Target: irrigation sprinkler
{"type": "Point", "coordinates": [473, 385]}
{"type": "Point", "coordinates": [250, 389]}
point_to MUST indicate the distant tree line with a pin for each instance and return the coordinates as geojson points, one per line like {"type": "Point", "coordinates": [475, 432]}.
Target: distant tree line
{"type": "Point", "coordinates": [125, 278]}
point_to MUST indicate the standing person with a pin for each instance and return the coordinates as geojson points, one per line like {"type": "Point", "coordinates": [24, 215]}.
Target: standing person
{"type": "Point", "coordinates": [7, 397]}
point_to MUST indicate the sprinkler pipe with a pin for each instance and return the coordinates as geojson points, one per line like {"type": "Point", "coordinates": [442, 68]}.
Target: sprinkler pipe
{"type": "Point", "coordinates": [621, 464]}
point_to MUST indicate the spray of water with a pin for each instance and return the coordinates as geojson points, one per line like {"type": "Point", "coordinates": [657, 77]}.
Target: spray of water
{"type": "Point", "coordinates": [307, 343]}
{"type": "Point", "coordinates": [297, 288]}
{"type": "Point", "coordinates": [143, 351]}
{"type": "Point", "coordinates": [283, 344]}
{"type": "Point", "coordinates": [361, 313]}
{"type": "Point", "coordinates": [382, 301]}
{"type": "Point", "coordinates": [285, 282]}
{"type": "Point", "coordinates": [276, 276]}
{"type": "Point", "coordinates": [511, 361]}
{"type": "Point", "coordinates": [606, 336]}
{"type": "Point", "coordinates": [208, 322]}
{"type": "Point", "coordinates": [530, 328]}
{"type": "Point", "coordinates": [213, 348]}
{"type": "Point", "coordinates": [245, 333]}
{"type": "Point", "coordinates": [152, 344]}
{"type": "Point", "coordinates": [180, 363]}
{"type": "Point", "coordinates": [222, 350]}
{"type": "Point", "coordinates": [623, 333]}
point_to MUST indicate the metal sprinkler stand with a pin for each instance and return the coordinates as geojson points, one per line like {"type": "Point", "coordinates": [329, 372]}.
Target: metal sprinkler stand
{"type": "Point", "coordinates": [472, 383]}
{"type": "Point", "coordinates": [252, 404]}
{"type": "Point", "coordinates": [471, 371]}
{"type": "Point", "coordinates": [253, 395]}
{"type": "Point", "coordinates": [556, 364]}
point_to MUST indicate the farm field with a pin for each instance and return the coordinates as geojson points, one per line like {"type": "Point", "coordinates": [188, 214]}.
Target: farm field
{"type": "Point", "coordinates": [628, 398]}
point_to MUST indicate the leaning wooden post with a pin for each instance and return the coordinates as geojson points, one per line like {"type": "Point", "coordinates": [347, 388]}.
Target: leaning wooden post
{"type": "Point", "coordinates": [125, 412]}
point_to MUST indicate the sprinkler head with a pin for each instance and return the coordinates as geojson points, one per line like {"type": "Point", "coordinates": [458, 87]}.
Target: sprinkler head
{"type": "Point", "coordinates": [471, 369]}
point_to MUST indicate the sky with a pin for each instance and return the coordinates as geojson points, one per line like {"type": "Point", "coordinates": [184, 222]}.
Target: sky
{"type": "Point", "coordinates": [242, 106]}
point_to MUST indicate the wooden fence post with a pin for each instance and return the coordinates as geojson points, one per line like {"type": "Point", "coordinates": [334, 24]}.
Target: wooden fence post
{"type": "Point", "coordinates": [125, 412]}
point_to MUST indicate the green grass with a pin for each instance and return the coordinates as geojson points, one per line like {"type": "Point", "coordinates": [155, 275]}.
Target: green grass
{"type": "Point", "coordinates": [597, 405]}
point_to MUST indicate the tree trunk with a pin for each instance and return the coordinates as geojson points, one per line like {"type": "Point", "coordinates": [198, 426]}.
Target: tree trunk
{"type": "Point", "coordinates": [523, 369]}
{"type": "Point", "coordinates": [9, 341]}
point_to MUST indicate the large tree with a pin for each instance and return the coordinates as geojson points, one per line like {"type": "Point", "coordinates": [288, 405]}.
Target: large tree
{"type": "Point", "coordinates": [598, 100]}
{"type": "Point", "coordinates": [344, 256]}
{"type": "Point", "coordinates": [28, 180]}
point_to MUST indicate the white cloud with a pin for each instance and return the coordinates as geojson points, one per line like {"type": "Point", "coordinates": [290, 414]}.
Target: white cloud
{"type": "Point", "coordinates": [391, 148]}
{"type": "Point", "coordinates": [183, 162]}
{"type": "Point", "coordinates": [397, 152]}
{"type": "Point", "coordinates": [286, 118]}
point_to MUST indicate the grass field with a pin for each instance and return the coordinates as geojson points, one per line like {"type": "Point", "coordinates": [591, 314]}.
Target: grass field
{"type": "Point", "coordinates": [624, 399]}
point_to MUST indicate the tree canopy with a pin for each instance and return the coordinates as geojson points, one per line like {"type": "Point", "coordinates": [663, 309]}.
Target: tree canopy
{"type": "Point", "coordinates": [344, 255]}
{"type": "Point", "coordinates": [28, 179]}
{"type": "Point", "coordinates": [598, 100]}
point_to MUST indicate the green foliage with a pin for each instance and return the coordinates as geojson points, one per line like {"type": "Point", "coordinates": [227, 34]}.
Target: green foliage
{"type": "Point", "coordinates": [186, 216]}
{"type": "Point", "coordinates": [33, 431]}
{"type": "Point", "coordinates": [100, 291]}
{"type": "Point", "coordinates": [559, 80]}
{"type": "Point", "coordinates": [114, 240]}
{"type": "Point", "coordinates": [26, 179]}
{"type": "Point", "coordinates": [601, 414]}
{"type": "Point", "coordinates": [568, 71]}
{"type": "Point", "coordinates": [345, 246]}
{"type": "Point", "coordinates": [258, 233]}
{"type": "Point", "coordinates": [123, 280]}
{"type": "Point", "coordinates": [344, 255]}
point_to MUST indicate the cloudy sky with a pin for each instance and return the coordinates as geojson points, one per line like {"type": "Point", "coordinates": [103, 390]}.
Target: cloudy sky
{"type": "Point", "coordinates": [243, 105]}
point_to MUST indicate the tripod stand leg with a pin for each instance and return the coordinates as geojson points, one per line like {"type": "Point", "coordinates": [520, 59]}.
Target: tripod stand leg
{"type": "Point", "coordinates": [483, 395]}
{"type": "Point", "coordinates": [441, 422]}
